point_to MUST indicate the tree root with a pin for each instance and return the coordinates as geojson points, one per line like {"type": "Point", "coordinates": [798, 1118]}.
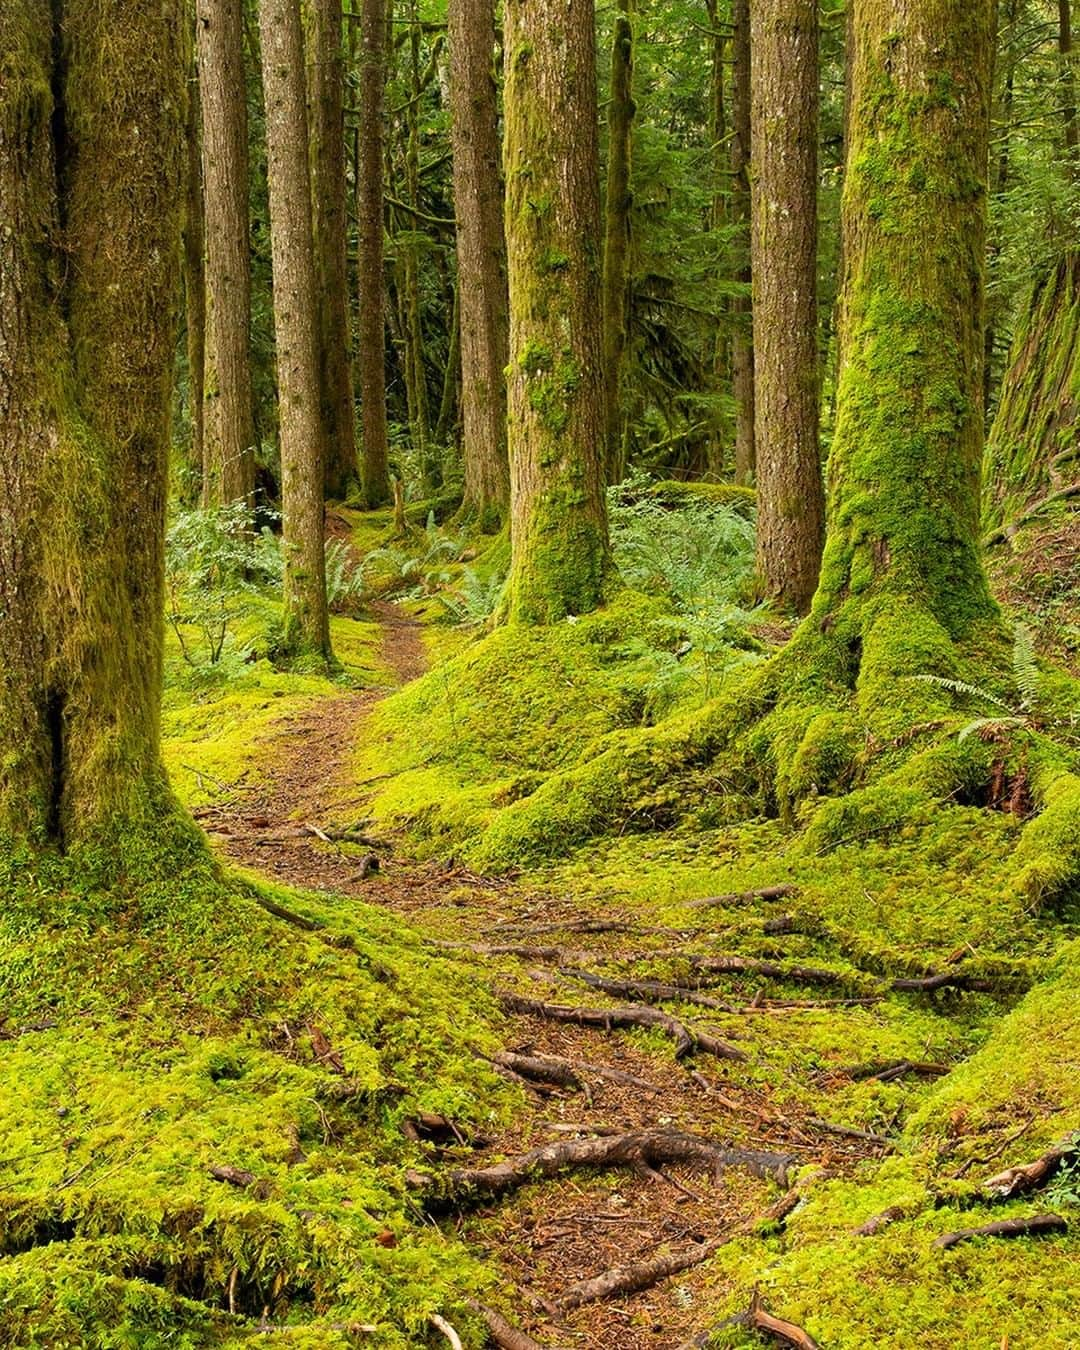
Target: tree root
{"type": "Point", "coordinates": [787, 1333]}
{"type": "Point", "coordinates": [687, 1040]}
{"type": "Point", "coordinates": [442, 1325]}
{"type": "Point", "coordinates": [505, 1335]}
{"type": "Point", "coordinates": [771, 970]}
{"type": "Point", "coordinates": [647, 990]}
{"type": "Point", "coordinates": [1029, 1176]}
{"type": "Point", "coordinates": [567, 1073]}
{"type": "Point", "coordinates": [892, 1070]}
{"type": "Point", "coordinates": [880, 1222]}
{"type": "Point", "coordinates": [743, 897]}
{"type": "Point", "coordinates": [638, 1275]}
{"type": "Point", "coordinates": [639, 1149]}
{"type": "Point", "coordinates": [849, 1132]}
{"type": "Point", "coordinates": [280, 912]}
{"type": "Point", "coordinates": [1033, 1226]}
{"type": "Point", "coordinates": [948, 979]}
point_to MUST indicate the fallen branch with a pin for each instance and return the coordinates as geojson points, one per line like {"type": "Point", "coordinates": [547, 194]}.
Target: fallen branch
{"type": "Point", "coordinates": [1030, 1176]}
{"type": "Point", "coordinates": [894, 1069]}
{"type": "Point", "coordinates": [880, 1222]}
{"type": "Point", "coordinates": [849, 1132]}
{"type": "Point", "coordinates": [505, 1335]}
{"type": "Point", "coordinates": [1034, 1226]}
{"type": "Point", "coordinates": [638, 1149]}
{"type": "Point", "coordinates": [743, 897]}
{"type": "Point", "coordinates": [280, 912]}
{"type": "Point", "coordinates": [786, 1332]}
{"type": "Point", "coordinates": [441, 1324]}
{"type": "Point", "coordinates": [567, 1073]}
{"type": "Point", "coordinates": [946, 979]}
{"type": "Point", "coordinates": [687, 1040]}
{"type": "Point", "coordinates": [646, 990]}
{"type": "Point", "coordinates": [241, 1178]}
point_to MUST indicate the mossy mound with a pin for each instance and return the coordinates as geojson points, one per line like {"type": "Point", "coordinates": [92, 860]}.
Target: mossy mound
{"type": "Point", "coordinates": [675, 493]}
{"type": "Point", "coordinates": [201, 1105]}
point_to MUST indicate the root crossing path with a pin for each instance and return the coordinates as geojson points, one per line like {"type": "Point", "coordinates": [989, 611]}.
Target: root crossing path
{"type": "Point", "coordinates": [649, 1140]}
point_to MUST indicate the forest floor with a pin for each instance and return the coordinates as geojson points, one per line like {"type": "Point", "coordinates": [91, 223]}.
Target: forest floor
{"type": "Point", "coordinates": [537, 948]}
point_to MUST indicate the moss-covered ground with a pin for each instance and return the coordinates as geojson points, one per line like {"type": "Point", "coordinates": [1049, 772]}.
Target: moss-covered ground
{"type": "Point", "coordinates": [179, 1024]}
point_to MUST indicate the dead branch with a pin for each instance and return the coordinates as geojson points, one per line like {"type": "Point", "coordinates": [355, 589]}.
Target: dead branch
{"type": "Point", "coordinates": [280, 912]}
{"type": "Point", "coordinates": [787, 1333]}
{"type": "Point", "coordinates": [849, 1132]}
{"type": "Point", "coordinates": [946, 979]}
{"type": "Point", "coordinates": [441, 1324]}
{"type": "Point", "coordinates": [687, 1040]}
{"type": "Point", "coordinates": [636, 1149]}
{"type": "Point", "coordinates": [1029, 1176]}
{"type": "Point", "coordinates": [241, 1178]}
{"type": "Point", "coordinates": [1033, 1226]}
{"type": "Point", "coordinates": [894, 1069]}
{"type": "Point", "coordinates": [744, 897]}
{"type": "Point", "coordinates": [879, 1222]}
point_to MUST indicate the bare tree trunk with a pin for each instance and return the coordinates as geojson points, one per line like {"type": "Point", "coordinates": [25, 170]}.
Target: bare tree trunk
{"type": "Point", "coordinates": [229, 460]}
{"type": "Point", "coordinates": [327, 92]}
{"type": "Point", "coordinates": [742, 340]}
{"type": "Point", "coordinates": [195, 273]}
{"type": "Point", "coordinates": [306, 631]}
{"type": "Point", "coordinates": [481, 257]}
{"type": "Point", "coordinates": [617, 227]}
{"type": "Point", "coordinates": [419, 417]}
{"type": "Point", "coordinates": [1068, 84]}
{"type": "Point", "coordinates": [91, 152]}
{"type": "Point", "coordinates": [556, 389]}
{"type": "Point", "coordinates": [371, 324]}
{"type": "Point", "coordinates": [791, 509]}
{"type": "Point", "coordinates": [718, 219]}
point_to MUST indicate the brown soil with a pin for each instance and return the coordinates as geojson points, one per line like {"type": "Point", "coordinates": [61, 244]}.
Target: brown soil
{"type": "Point", "coordinates": [549, 1235]}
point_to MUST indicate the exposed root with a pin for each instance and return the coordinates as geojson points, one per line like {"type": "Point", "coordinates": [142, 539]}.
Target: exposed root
{"type": "Point", "coordinates": [770, 970]}
{"type": "Point", "coordinates": [687, 1040]}
{"type": "Point", "coordinates": [1034, 1226]}
{"type": "Point", "coordinates": [649, 991]}
{"type": "Point", "coordinates": [744, 897]}
{"type": "Point", "coordinates": [637, 1149]}
{"type": "Point", "coordinates": [787, 1333]}
{"type": "Point", "coordinates": [280, 912]}
{"type": "Point", "coordinates": [441, 1324]}
{"type": "Point", "coordinates": [505, 1335]}
{"type": "Point", "coordinates": [567, 1073]}
{"type": "Point", "coordinates": [880, 1222]}
{"type": "Point", "coordinates": [1030, 1176]}
{"type": "Point", "coordinates": [849, 1132]}
{"type": "Point", "coordinates": [894, 1069]}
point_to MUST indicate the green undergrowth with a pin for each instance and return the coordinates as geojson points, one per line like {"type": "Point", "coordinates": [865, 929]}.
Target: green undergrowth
{"type": "Point", "coordinates": [170, 1026]}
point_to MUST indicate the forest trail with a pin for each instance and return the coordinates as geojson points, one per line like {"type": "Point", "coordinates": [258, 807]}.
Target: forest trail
{"type": "Point", "coordinates": [662, 1202]}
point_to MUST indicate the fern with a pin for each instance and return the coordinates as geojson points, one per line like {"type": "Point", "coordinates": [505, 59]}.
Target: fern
{"type": "Point", "coordinates": [965, 690]}
{"type": "Point", "coordinates": [1025, 668]}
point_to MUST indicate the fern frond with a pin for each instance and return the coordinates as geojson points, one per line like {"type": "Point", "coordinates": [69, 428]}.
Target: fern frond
{"type": "Point", "coordinates": [983, 725]}
{"type": "Point", "coordinates": [964, 689]}
{"type": "Point", "coordinates": [1025, 668]}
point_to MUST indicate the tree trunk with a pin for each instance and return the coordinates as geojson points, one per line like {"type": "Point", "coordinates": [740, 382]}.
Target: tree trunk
{"type": "Point", "coordinates": [556, 389]}
{"type": "Point", "coordinates": [195, 276]}
{"type": "Point", "coordinates": [1033, 452]}
{"type": "Point", "coordinates": [481, 257]}
{"type": "Point", "coordinates": [371, 325]}
{"type": "Point", "coordinates": [1068, 84]}
{"type": "Point", "coordinates": [742, 339]}
{"type": "Point", "coordinates": [229, 460]}
{"type": "Point", "coordinates": [306, 630]}
{"type": "Point", "coordinates": [1000, 169]}
{"type": "Point", "coordinates": [327, 92]}
{"type": "Point", "coordinates": [91, 152]}
{"type": "Point", "coordinates": [791, 508]}
{"type": "Point", "coordinates": [904, 469]}
{"type": "Point", "coordinates": [419, 417]}
{"type": "Point", "coordinates": [719, 432]}
{"type": "Point", "coordinates": [617, 226]}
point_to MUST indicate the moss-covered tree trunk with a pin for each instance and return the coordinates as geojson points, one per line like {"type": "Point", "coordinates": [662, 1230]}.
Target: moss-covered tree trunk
{"type": "Point", "coordinates": [1033, 452]}
{"type": "Point", "coordinates": [791, 501]}
{"type": "Point", "coordinates": [481, 256]}
{"type": "Point", "coordinates": [371, 323]}
{"type": "Point", "coordinates": [905, 462]}
{"type": "Point", "coordinates": [229, 460]}
{"type": "Point", "coordinates": [327, 92]}
{"type": "Point", "coordinates": [306, 629]}
{"type": "Point", "coordinates": [742, 338]}
{"type": "Point", "coordinates": [556, 388]}
{"type": "Point", "coordinates": [194, 270]}
{"type": "Point", "coordinates": [91, 156]}
{"type": "Point", "coordinates": [617, 224]}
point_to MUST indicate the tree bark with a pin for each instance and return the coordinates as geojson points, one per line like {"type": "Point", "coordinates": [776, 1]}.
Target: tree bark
{"type": "Point", "coordinates": [371, 325]}
{"type": "Point", "coordinates": [742, 338]}
{"type": "Point", "coordinates": [195, 272]}
{"type": "Point", "coordinates": [1068, 84]}
{"type": "Point", "coordinates": [91, 152]}
{"type": "Point", "coordinates": [409, 252]}
{"type": "Point", "coordinates": [306, 629]}
{"type": "Point", "coordinates": [556, 390]}
{"type": "Point", "coordinates": [617, 227]}
{"type": "Point", "coordinates": [229, 460]}
{"type": "Point", "coordinates": [791, 504]}
{"type": "Point", "coordinates": [1033, 452]}
{"type": "Point", "coordinates": [904, 468]}
{"type": "Point", "coordinates": [481, 257]}
{"type": "Point", "coordinates": [327, 93]}
{"type": "Point", "coordinates": [719, 434]}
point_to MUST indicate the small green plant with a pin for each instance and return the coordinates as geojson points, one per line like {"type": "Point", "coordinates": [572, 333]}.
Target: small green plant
{"type": "Point", "coordinates": [420, 565]}
{"type": "Point", "coordinates": [475, 599]}
{"type": "Point", "coordinates": [1064, 1189]}
{"type": "Point", "coordinates": [344, 577]}
{"type": "Point", "coordinates": [212, 561]}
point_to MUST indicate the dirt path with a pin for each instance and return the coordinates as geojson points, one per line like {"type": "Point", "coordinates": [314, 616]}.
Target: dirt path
{"type": "Point", "coordinates": [546, 1238]}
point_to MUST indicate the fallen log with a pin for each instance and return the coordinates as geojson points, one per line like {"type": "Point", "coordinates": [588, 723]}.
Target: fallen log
{"type": "Point", "coordinates": [646, 990]}
{"type": "Point", "coordinates": [743, 897]}
{"type": "Point", "coordinates": [1029, 1176]}
{"type": "Point", "coordinates": [687, 1040]}
{"type": "Point", "coordinates": [505, 1335]}
{"type": "Point", "coordinates": [1034, 1226]}
{"type": "Point", "coordinates": [638, 1149]}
